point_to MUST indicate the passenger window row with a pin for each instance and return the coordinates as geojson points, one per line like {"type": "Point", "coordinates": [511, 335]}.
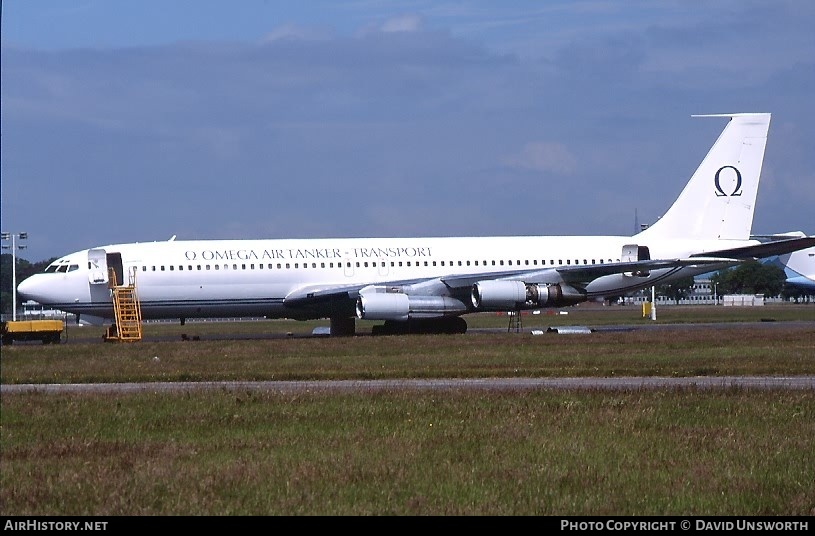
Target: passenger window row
{"type": "Point", "coordinates": [366, 264]}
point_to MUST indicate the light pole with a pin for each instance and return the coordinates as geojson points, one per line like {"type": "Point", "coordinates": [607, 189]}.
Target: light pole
{"type": "Point", "coordinates": [14, 246]}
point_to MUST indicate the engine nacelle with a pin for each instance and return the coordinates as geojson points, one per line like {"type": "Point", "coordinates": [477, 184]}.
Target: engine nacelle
{"type": "Point", "coordinates": [504, 295]}
{"type": "Point", "coordinates": [398, 306]}
{"type": "Point", "coordinates": [384, 306]}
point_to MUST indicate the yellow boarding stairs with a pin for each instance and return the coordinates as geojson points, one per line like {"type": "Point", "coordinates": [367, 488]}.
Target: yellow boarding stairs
{"type": "Point", "coordinates": [126, 308]}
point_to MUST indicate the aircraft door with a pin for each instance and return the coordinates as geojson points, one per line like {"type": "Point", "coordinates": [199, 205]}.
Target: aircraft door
{"type": "Point", "coordinates": [97, 267]}
{"type": "Point", "coordinates": [633, 253]}
{"type": "Point", "coordinates": [114, 261]}
{"type": "Point", "coordinates": [630, 253]}
{"type": "Point", "coordinates": [98, 275]}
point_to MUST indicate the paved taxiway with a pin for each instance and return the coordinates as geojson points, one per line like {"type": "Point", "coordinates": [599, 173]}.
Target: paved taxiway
{"type": "Point", "coordinates": [490, 384]}
{"type": "Point", "coordinates": [618, 383]}
{"type": "Point", "coordinates": [76, 336]}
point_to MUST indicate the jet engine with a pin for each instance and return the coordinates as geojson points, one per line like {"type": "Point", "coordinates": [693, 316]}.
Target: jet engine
{"type": "Point", "coordinates": [504, 295]}
{"type": "Point", "coordinates": [399, 306]}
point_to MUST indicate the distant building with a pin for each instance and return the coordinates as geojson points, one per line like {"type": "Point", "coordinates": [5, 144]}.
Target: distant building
{"type": "Point", "coordinates": [743, 300]}
{"type": "Point", "coordinates": [36, 311]}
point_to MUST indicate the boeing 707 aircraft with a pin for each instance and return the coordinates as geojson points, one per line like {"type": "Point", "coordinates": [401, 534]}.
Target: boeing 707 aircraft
{"type": "Point", "coordinates": [427, 284]}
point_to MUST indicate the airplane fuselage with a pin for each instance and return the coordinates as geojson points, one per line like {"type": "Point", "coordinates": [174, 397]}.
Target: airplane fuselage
{"type": "Point", "coordinates": [236, 278]}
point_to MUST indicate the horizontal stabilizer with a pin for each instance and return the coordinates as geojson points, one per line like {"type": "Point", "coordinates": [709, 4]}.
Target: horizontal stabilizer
{"type": "Point", "coordinates": [778, 236]}
{"type": "Point", "coordinates": [767, 249]}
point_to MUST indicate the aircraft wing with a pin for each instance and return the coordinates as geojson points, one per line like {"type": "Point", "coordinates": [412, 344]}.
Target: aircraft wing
{"type": "Point", "coordinates": [580, 275]}
{"type": "Point", "coordinates": [766, 249]}
{"type": "Point", "coordinates": [576, 275]}
{"type": "Point", "coordinates": [311, 292]}
{"type": "Point", "coordinates": [315, 294]}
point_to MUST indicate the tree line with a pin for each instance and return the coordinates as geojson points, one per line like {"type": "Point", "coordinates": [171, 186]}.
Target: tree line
{"type": "Point", "coordinates": [751, 277]}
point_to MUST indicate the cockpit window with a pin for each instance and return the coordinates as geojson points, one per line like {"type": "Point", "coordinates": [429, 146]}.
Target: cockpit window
{"type": "Point", "coordinates": [61, 266]}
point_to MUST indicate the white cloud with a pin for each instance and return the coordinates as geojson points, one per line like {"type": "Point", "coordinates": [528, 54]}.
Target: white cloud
{"type": "Point", "coordinates": [326, 130]}
{"type": "Point", "coordinates": [402, 23]}
{"type": "Point", "coordinates": [543, 156]}
{"type": "Point", "coordinates": [294, 31]}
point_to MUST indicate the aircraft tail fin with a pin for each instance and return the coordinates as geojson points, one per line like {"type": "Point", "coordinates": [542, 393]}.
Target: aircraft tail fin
{"type": "Point", "coordinates": [719, 200]}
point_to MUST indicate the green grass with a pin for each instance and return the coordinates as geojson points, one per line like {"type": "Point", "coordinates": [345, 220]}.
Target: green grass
{"type": "Point", "coordinates": [528, 452]}
{"type": "Point", "coordinates": [781, 350]}
{"type": "Point", "coordinates": [585, 314]}
{"type": "Point", "coordinates": [452, 453]}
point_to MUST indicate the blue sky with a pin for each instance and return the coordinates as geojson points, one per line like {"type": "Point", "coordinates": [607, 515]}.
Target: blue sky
{"type": "Point", "coordinates": [135, 121]}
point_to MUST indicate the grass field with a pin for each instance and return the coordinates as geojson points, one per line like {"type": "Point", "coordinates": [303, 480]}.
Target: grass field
{"type": "Point", "coordinates": [531, 452]}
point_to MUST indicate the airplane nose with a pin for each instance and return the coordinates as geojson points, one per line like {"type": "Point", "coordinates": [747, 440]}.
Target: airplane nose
{"type": "Point", "coordinates": [28, 289]}
{"type": "Point", "coordinates": [54, 289]}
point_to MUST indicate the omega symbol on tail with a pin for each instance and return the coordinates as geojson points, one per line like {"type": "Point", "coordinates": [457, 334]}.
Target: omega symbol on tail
{"type": "Point", "coordinates": [736, 190]}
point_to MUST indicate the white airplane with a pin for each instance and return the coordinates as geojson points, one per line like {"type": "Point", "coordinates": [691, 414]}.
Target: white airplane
{"type": "Point", "coordinates": [800, 268]}
{"type": "Point", "coordinates": [427, 284]}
